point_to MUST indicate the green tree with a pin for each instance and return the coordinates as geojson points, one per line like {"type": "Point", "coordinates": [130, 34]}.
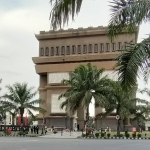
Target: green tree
{"type": "Point", "coordinates": [121, 101]}
{"type": "Point", "coordinates": [126, 16]}
{"type": "Point", "coordinates": [20, 98]}
{"type": "Point", "coordinates": [86, 82]}
{"type": "Point", "coordinates": [62, 10]}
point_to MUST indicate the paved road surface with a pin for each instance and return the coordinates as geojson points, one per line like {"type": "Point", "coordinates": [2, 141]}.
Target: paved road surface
{"type": "Point", "coordinates": [14, 143]}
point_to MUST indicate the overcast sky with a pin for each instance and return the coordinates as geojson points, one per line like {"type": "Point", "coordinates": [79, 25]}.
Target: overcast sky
{"type": "Point", "coordinates": [21, 19]}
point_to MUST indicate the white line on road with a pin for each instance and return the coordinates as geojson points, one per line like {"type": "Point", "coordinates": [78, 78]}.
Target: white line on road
{"type": "Point", "coordinates": [10, 141]}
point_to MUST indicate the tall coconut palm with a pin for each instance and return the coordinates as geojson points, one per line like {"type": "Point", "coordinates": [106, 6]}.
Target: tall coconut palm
{"type": "Point", "coordinates": [20, 98]}
{"type": "Point", "coordinates": [127, 15]}
{"type": "Point", "coordinates": [122, 102]}
{"type": "Point", "coordinates": [86, 82]}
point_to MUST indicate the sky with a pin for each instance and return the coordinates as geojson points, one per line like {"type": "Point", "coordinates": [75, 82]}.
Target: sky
{"type": "Point", "coordinates": [20, 20]}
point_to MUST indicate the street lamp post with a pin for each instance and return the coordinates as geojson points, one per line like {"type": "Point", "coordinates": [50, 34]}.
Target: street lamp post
{"type": "Point", "coordinates": [118, 124]}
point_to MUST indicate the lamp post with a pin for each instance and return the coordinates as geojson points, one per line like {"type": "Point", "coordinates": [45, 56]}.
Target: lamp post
{"type": "Point", "coordinates": [118, 124]}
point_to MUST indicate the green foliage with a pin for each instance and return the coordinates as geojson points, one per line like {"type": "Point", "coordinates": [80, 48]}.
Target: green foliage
{"type": "Point", "coordinates": [126, 17]}
{"type": "Point", "coordinates": [134, 136]}
{"type": "Point", "coordinates": [20, 133]}
{"type": "Point", "coordinates": [87, 134]}
{"type": "Point", "coordinates": [90, 136]}
{"type": "Point", "coordinates": [61, 11]}
{"type": "Point", "coordinates": [19, 97]}
{"type": "Point", "coordinates": [102, 134]}
{"type": "Point", "coordinates": [127, 135]}
{"type": "Point", "coordinates": [121, 135]}
{"type": "Point", "coordinates": [96, 135]}
{"type": "Point", "coordinates": [139, 135]}
{"type": "Point", "coordinates": [86, 82]}
{"type": "Point", "coordinates": [108, 134]}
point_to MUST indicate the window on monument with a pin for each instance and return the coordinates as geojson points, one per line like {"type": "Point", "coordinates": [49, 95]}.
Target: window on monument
{"type": "Point", "coordinates": [84, 49]}
{"type": "Point", "coordinates": [57, 51]}
{"type": "Point", "coordinates": [42, 52]}
{"type": "Point", "coordinates": [63, 50]}
{"type": "Point", "coordinates": [52, 51]}
{"type": "Point", "coordinates": [107, 47]}
{"type": "Point", "coordinates": [101, 48]}
{"type": "Point", "coordinates": [95, 48]}
{"type": "Point", "coordinates": [47, 51]}
{"type": "Point", "coordinates": [113, 47]}
{"type": "Point", "coordinates": [90, 48]}
{"type": "Point", "coordinates": [73, 49]}
{"type": "Point", "coordinates": [68, 50]}
{"type": "Point", "coordinates": [79, 49]}
{"type": "Point", "coordinates": [119, 45]}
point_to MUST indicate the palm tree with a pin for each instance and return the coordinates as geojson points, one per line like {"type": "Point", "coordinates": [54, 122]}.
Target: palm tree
{"type": "Point", "coordinates": [86, 82]}
{"type": "Point", "coordinates": [20, 98]}
{"type": "Point", "coordinates": [122, 102]}
{"type": "Point", "coordinates": [126, 16]}
{"type": "Point", "coordinates": [61, 11]}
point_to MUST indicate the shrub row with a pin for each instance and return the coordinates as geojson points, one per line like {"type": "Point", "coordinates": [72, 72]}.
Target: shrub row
{"type": "Point", "coordinates": [109, 136]}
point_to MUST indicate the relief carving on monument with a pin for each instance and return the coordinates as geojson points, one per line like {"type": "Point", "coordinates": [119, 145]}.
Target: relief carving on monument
{"type": "Point", "coordinates": [56, 78]}
{"type": "Point", "coordinates": [55, 104]}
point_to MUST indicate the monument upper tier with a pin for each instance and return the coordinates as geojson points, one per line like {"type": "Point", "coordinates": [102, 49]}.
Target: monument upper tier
{"type": "Point", "coordinates": [79, 45]}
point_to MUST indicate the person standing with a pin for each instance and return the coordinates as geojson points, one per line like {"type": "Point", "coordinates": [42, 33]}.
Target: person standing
{"type": "Point", "coordinates": [31, 129]}
{"type": "Point", "coordinates": [37, 129]}
{"type": "Point", "coordinates": [45, 129]}
{"type": "Point", "coordinates": [34, 128]}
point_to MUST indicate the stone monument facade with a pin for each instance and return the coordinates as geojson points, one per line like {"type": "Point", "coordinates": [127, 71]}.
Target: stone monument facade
{"type": "Point", "coordinates": [60, 52]}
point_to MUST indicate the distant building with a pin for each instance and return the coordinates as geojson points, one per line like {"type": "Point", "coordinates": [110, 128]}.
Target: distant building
{"type": "Point", "coordinates": [60, 52]}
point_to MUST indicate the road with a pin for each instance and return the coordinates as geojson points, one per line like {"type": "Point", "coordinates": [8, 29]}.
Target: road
{"type": "Point", "coordinates": [24, 143]}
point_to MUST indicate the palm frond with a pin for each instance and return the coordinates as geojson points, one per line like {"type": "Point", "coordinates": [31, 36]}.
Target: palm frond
{"type": "Point", "coordinates": [134, 58]}
{"type": "Point", "coordinates": [127, 15]}
{"type": "Point", "coordinates": [62, 10]}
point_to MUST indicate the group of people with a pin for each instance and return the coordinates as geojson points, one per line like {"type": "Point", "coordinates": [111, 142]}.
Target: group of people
{"type": "Point", "coordinates": [35, 129]}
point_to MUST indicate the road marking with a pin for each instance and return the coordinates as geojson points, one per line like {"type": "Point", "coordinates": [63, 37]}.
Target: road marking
{"type": "Point", "coordinates": [10, 141]}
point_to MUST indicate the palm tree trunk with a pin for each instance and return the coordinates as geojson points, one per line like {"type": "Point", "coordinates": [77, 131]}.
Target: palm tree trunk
{"type": "Point", "coordinates": [124, 122]}
{"type": "Point", "coordinates": [118, 121]}
{"type": "Point", "coordinates": [13, 118]}
{"type": "Point", "coordinates": [21, 114]}
{"type": "Point", "coordinates": [87, 117]}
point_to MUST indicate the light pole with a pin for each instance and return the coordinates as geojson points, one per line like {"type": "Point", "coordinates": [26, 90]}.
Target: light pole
{"type": "Point", "coordinates": [118, 124]}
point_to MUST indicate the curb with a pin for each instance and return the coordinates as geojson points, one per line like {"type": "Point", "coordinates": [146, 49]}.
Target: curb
{"type": "Point", "coordinates": [2, 135]}
{"type": "Point", "coordinates": [116, 138]}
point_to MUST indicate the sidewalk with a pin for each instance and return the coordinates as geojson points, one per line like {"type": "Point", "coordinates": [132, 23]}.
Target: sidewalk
{"type": "Point", "coordinates": [65, 135]}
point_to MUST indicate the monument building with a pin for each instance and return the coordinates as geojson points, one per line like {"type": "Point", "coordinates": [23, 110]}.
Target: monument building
{"type": "Point", "coordinates": [60, 52]}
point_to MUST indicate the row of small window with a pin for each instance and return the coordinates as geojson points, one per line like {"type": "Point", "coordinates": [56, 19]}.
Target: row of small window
{"type": "Point", "coordinates": [68, 50]}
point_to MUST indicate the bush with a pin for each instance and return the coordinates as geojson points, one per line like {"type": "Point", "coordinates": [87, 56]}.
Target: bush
{"type": "Point", "coordinates": [87, 134]}
{"type": "Point", "coordinates": [115, 135]}
{"type": "Point", "coordinates": [121, 135]}
{"type": "Point", "coordinates": [55, 132]}
{"type": "Point", "coordinates": [21, 133]}
{"type": "Point", "coordinates": [96, 135]}
{"type": "Point", "coordinates": [127, 135]}
{"type": "Point", "coordinates": [83, 135]}
{"type": "Point", "coordinates": [102, 134]}
{"type": "Point", "coordinates": [108, 135]}
{"type": "Point", "coordinates": [134, 136]}
{"type": "Point", "coordinates": [90, 135]}
{"type": "Point", "coordinates": [139, 135]}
